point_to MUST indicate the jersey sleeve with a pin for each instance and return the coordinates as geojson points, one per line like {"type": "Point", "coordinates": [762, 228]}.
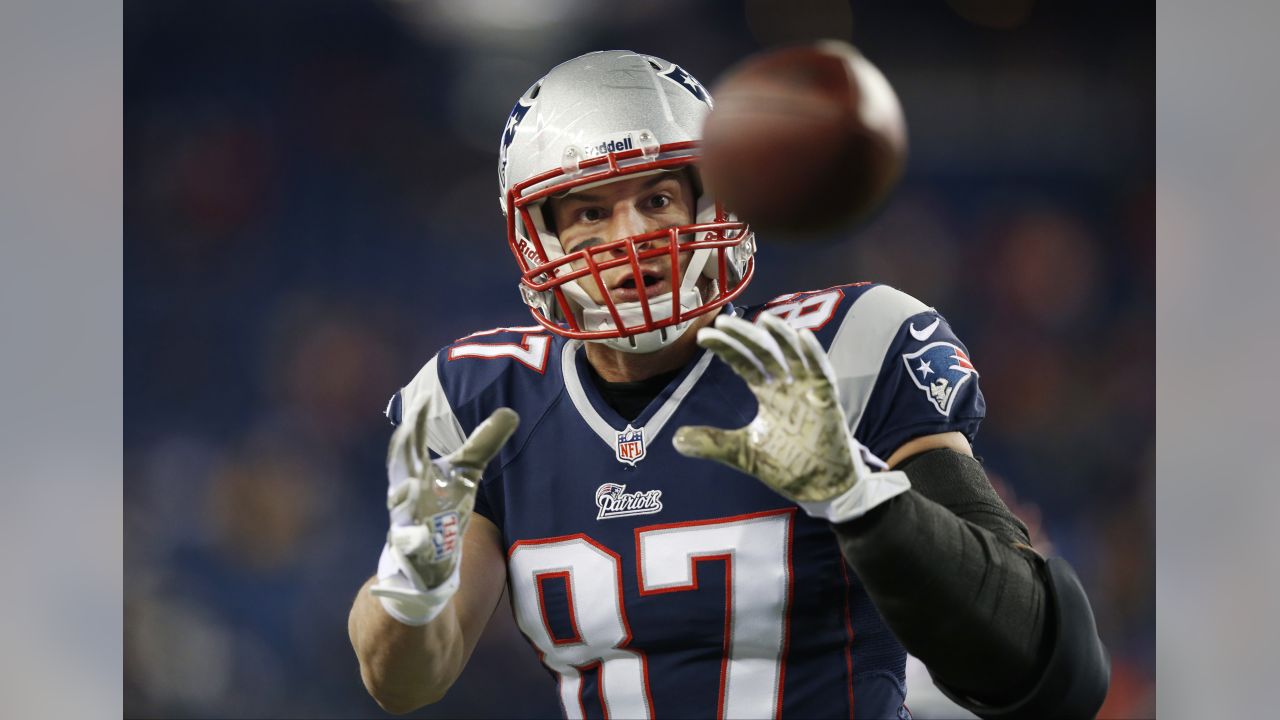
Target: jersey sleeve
{"type": "Point", "coordinates": [445, 433]}
{"type": "Point", "coordinates": [902, 373]}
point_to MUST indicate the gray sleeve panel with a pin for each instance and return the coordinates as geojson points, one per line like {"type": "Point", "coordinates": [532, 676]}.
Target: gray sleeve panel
{"type": "Point", "coordinates": [425, 393]}
{"type": "Point", "coordinates": [865, 335]}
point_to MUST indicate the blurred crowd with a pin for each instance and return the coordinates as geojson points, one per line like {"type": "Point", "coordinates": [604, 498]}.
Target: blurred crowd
{"type": "Point", "coordinates": [310, 212]}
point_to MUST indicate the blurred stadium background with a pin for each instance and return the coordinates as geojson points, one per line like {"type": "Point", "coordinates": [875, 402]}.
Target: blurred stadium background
{"type": "Point", "coordinates": [310, 212]}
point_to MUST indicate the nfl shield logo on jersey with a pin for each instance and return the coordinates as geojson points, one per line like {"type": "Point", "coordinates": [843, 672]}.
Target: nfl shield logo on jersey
{"type": "Point", "coordinates": [631, 445]}
{"type": "Point", "coordinates": [939, 369]}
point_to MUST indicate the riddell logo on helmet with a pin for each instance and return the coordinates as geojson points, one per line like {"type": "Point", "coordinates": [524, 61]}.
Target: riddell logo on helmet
{"type": "Point", "coordinates": [528, 252]}
{"type": "Point", "coordinates": [608, 146]}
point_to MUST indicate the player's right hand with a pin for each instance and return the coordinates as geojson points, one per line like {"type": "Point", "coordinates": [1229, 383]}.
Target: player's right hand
{"type": "Point", "coordinates": [430, 503]}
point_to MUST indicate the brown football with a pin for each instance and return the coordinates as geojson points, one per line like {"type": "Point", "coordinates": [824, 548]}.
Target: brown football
{"type": "Point", "coordinates": [803, 140]}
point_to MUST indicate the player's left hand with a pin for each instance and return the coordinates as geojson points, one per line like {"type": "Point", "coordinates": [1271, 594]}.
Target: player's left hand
{"type": "Point", "coordinates": [798, 444]}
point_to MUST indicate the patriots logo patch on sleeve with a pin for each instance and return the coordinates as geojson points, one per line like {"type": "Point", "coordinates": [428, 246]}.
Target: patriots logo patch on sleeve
{"type": "Point", "coordinates": [939, 369]}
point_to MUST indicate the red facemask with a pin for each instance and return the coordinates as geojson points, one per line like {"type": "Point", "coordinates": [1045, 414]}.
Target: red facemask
{"type": "Point", "coordinates": [727, 246]}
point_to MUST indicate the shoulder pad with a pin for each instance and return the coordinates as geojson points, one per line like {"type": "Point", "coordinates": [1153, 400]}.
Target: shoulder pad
{"type": "Point", "coordinates": [476, 374]}
{"type": "Point", "coordinates": [820, 311]}
{"type": "Point", "coordinates": [870, 332]}
{"type": "Point", "coordinates": [472, 368]}
{"type": "Point", "coordinates": [444, 432]}
{"type": "Point", "coordinates": [528, 345]}
{"type": "Point", "coordinates": [868, 329]}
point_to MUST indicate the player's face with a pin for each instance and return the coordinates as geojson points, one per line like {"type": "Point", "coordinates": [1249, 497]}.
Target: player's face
{"type": "Point", "coordinates": [622, 209]}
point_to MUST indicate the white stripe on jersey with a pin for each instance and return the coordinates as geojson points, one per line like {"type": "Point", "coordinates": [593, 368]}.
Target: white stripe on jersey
{"type": "Point", "coordinates": [444, 432]}
{"type": "Point", "coordinates": [858, 350]}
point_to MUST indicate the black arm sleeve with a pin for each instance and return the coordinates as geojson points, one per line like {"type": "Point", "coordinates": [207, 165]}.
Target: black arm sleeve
{"type": "Point", "coordinates": [952, 572]}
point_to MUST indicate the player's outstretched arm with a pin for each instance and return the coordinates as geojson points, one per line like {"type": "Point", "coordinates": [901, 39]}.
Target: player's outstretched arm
{"type": "Point", "coordinates": [1004, 632]}
{"type": "Point", "coordinates": [1007, 634]}
{"type": "Point", "coordinates": [414, 625]}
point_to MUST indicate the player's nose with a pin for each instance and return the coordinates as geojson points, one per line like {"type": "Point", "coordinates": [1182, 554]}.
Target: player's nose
{"type": "Point", "coordinates": [630, 221]}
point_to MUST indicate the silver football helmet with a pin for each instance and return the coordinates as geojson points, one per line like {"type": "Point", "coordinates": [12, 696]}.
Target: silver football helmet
{"type": "Point", "coordinates": [592, 120]}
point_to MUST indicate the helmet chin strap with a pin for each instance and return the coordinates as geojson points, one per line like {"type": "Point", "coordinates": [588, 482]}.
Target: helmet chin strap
{"type": "Point", "coordinates": [595, 317]}
{"type": "Point", "coordinates": [598, 318]}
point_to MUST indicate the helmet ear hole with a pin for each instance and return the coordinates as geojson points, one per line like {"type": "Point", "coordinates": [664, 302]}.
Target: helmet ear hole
{"type": "Point", "coordinates": [695, 181]}
{"type": "Point", "coordinates": [548, 217]}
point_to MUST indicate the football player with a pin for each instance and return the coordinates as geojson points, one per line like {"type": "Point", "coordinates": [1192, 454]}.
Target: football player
{"type": "Point", "coordinates": [684, 495]}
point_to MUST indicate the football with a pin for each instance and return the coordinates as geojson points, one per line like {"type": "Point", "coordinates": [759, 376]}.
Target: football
{"type": "Point", "coordinates": [803, 140]}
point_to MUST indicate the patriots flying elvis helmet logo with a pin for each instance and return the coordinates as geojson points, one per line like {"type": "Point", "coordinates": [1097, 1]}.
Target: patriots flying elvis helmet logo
{"type": "Point", "coordinates": [939, 369]}
{"type": "Point", "coordinates": [509, 134]}
{"type": "Point", "coordinates": [681, 77]}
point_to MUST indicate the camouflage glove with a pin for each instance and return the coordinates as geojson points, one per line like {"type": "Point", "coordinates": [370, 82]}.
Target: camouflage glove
{"type": "Point", "coordinates": [430, 503]}
{"type": "Point", "coordinates": [798, 443]}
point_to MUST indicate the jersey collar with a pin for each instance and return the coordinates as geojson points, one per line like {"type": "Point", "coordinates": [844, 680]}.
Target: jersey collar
{"type": "Point", "coordinates": [602, 419]}
{"type": "Point", "coordinates": [594, 411]}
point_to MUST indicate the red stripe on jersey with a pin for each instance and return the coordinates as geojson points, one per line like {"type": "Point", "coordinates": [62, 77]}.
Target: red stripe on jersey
{"type": "Point", "coordinates": [848, 628]}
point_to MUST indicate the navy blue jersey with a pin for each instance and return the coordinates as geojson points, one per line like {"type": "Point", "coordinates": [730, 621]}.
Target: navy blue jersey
{"type": "Point", "coordinates": [655, 585]}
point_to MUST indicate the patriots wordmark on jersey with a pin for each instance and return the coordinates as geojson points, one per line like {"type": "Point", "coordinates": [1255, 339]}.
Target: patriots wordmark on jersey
{"type": "Point", "coordinates": [654, 585]}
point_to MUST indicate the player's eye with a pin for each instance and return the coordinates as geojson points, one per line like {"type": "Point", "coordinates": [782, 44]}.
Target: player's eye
{"type": "Point", "coordinates": [590, 214]}
{"type": "Point", "coordinates": [660, 201]}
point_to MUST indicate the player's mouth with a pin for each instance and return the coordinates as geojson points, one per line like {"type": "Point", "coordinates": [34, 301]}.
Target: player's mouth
{"type": "Point", "coordinates": [651, 282]}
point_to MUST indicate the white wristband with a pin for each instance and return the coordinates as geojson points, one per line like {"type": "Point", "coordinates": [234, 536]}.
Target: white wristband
{"type": "Point", "coordinates": [869, 491]}
{"type": "Point", "coordinates": [412, 606]}
{"type": "Point", "coordinates": [404, 595]}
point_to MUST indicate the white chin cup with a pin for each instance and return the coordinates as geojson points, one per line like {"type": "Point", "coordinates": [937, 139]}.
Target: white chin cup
{"type": "Point", "coordinates": [598, 318]}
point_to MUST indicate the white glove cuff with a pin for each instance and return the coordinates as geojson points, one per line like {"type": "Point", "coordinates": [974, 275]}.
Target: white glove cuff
{"type": "Point", "coordinates": [409, 605]}
{"type": "Point", "coordinates": [869, 491]}
{"type": "Point", "coordinates": [403, 594]}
